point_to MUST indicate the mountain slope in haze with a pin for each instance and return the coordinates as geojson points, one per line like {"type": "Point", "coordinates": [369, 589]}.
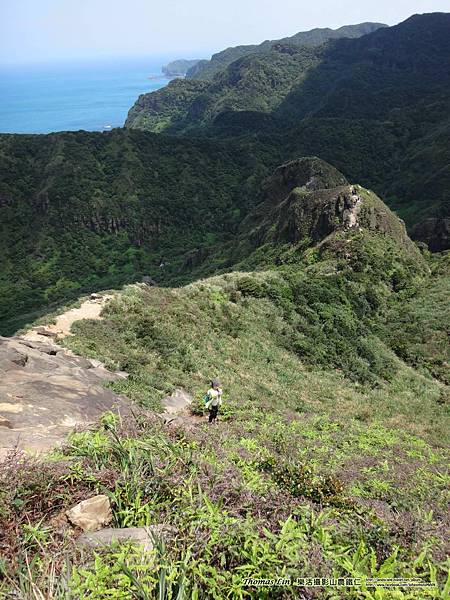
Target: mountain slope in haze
{"type": "Point", "coordinates": [278, 79]}
{"type": "Point", "coordinates": [376, 106]}
{"type": "Point", "coordinates": [180, 67]}
{"type": "Point", "coordinates": [206, 69]}
{"type": "Point", "coordinates": [258, 83]}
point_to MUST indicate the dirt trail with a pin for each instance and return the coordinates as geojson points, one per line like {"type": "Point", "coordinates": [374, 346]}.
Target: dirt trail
{"type": "Point", "coordinates": [90, 309]}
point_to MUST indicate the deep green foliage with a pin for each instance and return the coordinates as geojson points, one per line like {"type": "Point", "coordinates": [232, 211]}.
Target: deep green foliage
{"type": "Point", "coordinates": [86, 211]}
{"type": "Point", "coordinates": [253, 83]}
{"type": "Point", "coordinates": [376, 107]}
{"type": "Point", "coordinates": [418, 328]}
{"type": "Point", "coordinates": [207, 69]}
{"type": "Point", "coordinates": [327, 460]}
{"type": "Point", "coordinates": [329, 457]}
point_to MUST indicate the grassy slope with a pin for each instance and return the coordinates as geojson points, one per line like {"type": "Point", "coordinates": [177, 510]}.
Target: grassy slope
{"type": "Point", "coordinates": [309, 472]}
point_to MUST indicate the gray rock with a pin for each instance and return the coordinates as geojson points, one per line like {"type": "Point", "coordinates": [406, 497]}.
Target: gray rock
{"type": "Point", "coordinates": [96, 363]}
{"type": "Point", "coordinates": [148, 281]}
{"type": "Point", "coordinates": [11, 357]}
{"type": "Point", "coordinates": [177, 403]}
{"type": "Point", "coordinates": [45, 392]}
{"type": "Point", "coordinates": [143, 536]}
{"type": "Point", "coordinates": [45, 332]}
{"type": "Point", "coordinates": [121, 374]}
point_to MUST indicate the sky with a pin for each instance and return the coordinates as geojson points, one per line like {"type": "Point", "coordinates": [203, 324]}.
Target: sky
{"type": "Point", "coordinates": [59, 30]}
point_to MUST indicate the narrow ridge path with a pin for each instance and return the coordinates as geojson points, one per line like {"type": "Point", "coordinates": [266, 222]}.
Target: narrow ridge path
{"type": "Point", "coordinates": [89, 309]}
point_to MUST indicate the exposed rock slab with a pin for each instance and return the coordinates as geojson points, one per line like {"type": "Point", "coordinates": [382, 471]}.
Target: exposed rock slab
{"type": "Point", "coordinates": [142, 536]}
{"type": "Point", "coordinates": [45, 391]}
{"type": "Point", "coordinates": [177, 403]}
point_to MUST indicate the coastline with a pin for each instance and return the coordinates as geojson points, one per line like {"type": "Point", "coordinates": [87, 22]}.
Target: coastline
{"type": "Point", "coordinates": [41, 99]}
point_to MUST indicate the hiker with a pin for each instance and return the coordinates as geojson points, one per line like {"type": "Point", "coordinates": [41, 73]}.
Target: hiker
{"type": "Point", "coordinates": [213, 399]}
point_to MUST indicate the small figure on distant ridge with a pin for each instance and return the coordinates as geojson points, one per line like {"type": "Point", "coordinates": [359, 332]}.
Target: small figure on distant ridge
{"type": "Point", "coordinates": [213, 399]}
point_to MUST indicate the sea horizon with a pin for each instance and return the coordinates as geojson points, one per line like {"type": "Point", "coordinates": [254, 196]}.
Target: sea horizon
{"type": "Point", "coordinates": [73, 95]}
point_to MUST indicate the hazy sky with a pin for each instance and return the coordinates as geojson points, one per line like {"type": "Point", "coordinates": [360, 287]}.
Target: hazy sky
{"type": "Point", "coordinates": [39, 30]}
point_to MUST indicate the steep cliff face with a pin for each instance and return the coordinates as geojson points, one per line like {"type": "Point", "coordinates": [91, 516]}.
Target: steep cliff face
{"type": "Point", "coordinates": [157, 112]}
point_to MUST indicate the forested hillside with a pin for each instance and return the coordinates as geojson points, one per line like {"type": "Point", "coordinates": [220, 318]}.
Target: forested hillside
{"type": "Point", "coordinates": [83, 211]}
{"type": "Point", "coordinates": [286, 276]}
{"type": "Point", "coordinates": [206, 69]}
{"type": "Point", "coordinates": [330, 454]}
{"type": "Point", "coordinates": [377, 107]}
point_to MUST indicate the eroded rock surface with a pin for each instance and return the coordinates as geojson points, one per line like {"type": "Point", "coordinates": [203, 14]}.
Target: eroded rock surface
{"type": "Point", "coordinates": [142, 536]}
{"type": "Point", "coordinates": [45, 391]}
{"type": "Point", "coordinates": [307, 201]}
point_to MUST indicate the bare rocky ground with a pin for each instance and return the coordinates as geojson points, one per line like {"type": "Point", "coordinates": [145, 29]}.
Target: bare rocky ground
{"type": "Point", "coordinates": [90, 309]}
{"type": "Point", "coordinates": [45, 390]}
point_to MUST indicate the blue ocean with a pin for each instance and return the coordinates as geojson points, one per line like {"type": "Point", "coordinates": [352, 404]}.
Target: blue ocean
{"type": "Point", "coordinates": [94, 95]}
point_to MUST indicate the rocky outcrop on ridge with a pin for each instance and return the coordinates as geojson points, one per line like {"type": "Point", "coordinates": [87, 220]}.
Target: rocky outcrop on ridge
{"type": "Point", "coordinates": [307, 200]}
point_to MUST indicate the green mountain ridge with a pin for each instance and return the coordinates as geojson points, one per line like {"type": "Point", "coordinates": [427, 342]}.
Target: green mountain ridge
{"type": "Point", "coordinates": [376, 106]}
{"type": "Point", "coordinates": [206, 69]}
{"type": "Point", "coordinates": [332, 435]}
